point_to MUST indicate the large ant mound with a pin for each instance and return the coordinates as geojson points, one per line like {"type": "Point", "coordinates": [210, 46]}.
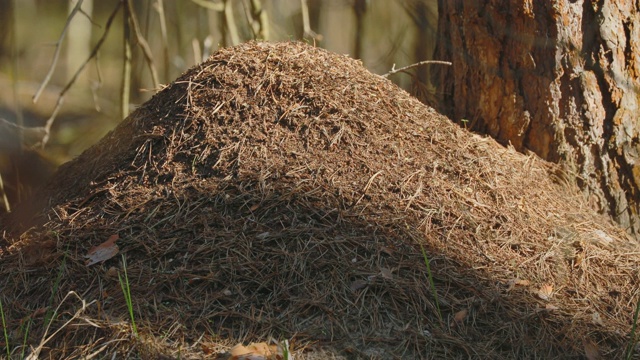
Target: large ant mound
{"type": "Point", "coordinates": [279, 190]}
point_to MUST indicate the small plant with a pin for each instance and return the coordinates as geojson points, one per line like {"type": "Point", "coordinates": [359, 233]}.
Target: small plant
{"type": "Point", "coordinates": [55, 288]}
{"type": "Point", "coordinates": [4, 328]}
{"type": "Point", "coordinates": [25, 329]}
{"type": "Point", "coordinates": [431, 283]}
{"type": "Point", "coordinates": [124, 284]}
{"type": "Point", "coordinates": [632, 336]}
{"type": "Point", "coordinates": [285, 350]}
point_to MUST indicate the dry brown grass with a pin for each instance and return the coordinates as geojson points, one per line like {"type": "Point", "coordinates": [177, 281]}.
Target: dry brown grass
{"type": "Point", "coordinates": [279, 190]}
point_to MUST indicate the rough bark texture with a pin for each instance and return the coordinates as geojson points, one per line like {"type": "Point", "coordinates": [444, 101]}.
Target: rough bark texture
{"type": "Point", "coordinates": [560, 78]}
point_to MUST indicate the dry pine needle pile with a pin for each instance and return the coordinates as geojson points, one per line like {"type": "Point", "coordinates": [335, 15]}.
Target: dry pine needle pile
{"type": "Point", "coordinates": [279, 190]}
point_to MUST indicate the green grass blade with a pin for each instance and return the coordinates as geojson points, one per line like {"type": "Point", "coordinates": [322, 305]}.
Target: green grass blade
{"type": "Point", "coordinates": [431, 283]}
{"type": "Point", "coordinates": [632, 336]}
{"type": "Point", "coordinates": [26, 336]}
{"type": "Point", "coordinates": [126, 291]}
{"type": "Point", "coordinates": [4, 329]}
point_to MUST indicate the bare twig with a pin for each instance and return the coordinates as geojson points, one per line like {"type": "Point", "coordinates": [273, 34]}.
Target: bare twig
{"type": "Point", "coordinates": [306, 24]}
{"type": "Point", "coordinates": [125, 91]}
{"type": "Point", "coordinates": [360, 9]}
{"type": "Point", "coordinates": [259, 20]}
{"type": "Point", "coordinates": [146, 50]}
{"type": "Point", "coordinates": [14, 137]}
{"type": "Point", "coordinates": [421, 63]}
{"type": "Point", "coordinates": [56, 55]}
{"type": "Point", "coordinates": [14, 83]}
{"type": "Point", "coordinates": [159, 6]}
{"type": "Point", "coordinates": [94, 53]}
{"type": "Point", "coordinates": [231, 23]}
{"type": "Point", "coordinates": [96, 85]}
{"type": "Point", "coordinates": [45, 339]}
{"type": "Point", "coordinates": [197, 53]}
{"type": "Point", "coordinates": [3, 197]}
{"type": "Point", "coordinates": [211, 5]}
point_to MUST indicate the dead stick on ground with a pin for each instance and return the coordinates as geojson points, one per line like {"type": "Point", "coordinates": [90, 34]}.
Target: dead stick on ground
{"type": "Point", "coordinates": [367, 186]}
{"type": "Point", "coordinates": [45, 339]}
{"type": "Point", "coordinates": [421, 63]}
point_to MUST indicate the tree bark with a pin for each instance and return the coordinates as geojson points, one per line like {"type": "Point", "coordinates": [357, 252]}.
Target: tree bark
{"type": "Point", "coordinates": [558, 77]}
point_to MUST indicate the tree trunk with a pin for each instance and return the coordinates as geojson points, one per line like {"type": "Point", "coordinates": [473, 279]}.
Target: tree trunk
{"type": "Point", "coordinates": [558, 77]}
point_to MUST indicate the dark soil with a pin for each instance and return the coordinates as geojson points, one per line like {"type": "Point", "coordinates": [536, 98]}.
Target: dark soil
{"type": "Point", "coordinates": [280, 190]}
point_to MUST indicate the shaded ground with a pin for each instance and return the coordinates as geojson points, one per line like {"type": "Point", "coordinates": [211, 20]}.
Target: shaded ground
{"type": "Point", "coordinates": [279, 190]}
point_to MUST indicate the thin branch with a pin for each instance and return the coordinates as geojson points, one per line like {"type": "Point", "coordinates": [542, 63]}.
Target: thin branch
{"type": "Point", "coordinates": [146, 50]}
{"type": "Point", "coordinates": [56, 55]}
{"type": "Point", "coordinates": [211, 5]}
{"type": "Point", "coordinates": [231, 23]}
{"type": "Point", "coordinates": [306, 24]}
{"type": "Point", "coordinates": [421, 63]}
{"type": "Point", "coordinates": [159, 6]}
{"type": "Point", "coordinates": [14, 137]}
{"type": "Point", "coordinates": [14, 81]}
{"type": "Point", "coordinates": [4, 199]}
{"type": "Point", "coordinates": [259, 20]}
{"type": "Point", "coordinates": [45, 339]}
{"type": "Point", "coordinates": [93, 54]}
{"type": "Point", "coordinates": [125, 92]}
{"type": "Point", "coordinates": [360, 10]}
{"type": "Point", "coordinates": [96, 85]}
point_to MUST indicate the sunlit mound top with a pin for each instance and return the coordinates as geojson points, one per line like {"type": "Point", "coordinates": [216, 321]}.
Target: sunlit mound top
{"type": "Point", "coordinates": [282, 190]}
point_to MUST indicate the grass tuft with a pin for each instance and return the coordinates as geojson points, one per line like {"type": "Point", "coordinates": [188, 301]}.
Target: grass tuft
{"type": "Point", "coordinates": [126, 291]}
{"type": "Point", "coordinates": [431, 283]}
{"type": "Point", "coordinates": [4, 329]}
{"type": "Point", "coordinates": [632, 336]}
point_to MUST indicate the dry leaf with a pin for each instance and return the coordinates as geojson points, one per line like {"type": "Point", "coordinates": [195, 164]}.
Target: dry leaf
{"type": "Point", "coordinates": [386, 273]}
{"type": "Point", "coordinates": [37, 252]}
{"type": "Point", "coordinates": [39, 312]}
{"type": "Point", "coordinates": [358, 284]}
{"type": "Point", "coordinates": [103, 252]}
{"type": "Point", "coordinates": [112, 272]}
{"type": "Point", "coordinates": [263, 235]}
{"type": "Point", "coordinates": [239, 349]}
{"type": "Point", "coordinates": [255, 351]}
{"type": "Point", "coordinates": [550, 307]}
{"type": "Point", "coordinates": [206, 349]}
{"type": "Point", "coordinates": [545, 292]}
{"type": "Point", "coordinates": [514, 282]}
{"type": "Point", "coordinates": [460, 316]}
{"type": "Point", "coordinates": [596, 318]}
{"type": "Point", "coordinates": [591, 351]}
{"type": "Point", "coordinates": [577, 261]}
{"type": "Point", "coordinates": [387, 250]}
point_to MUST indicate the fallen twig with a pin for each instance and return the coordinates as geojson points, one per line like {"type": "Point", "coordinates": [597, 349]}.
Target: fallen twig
{"type": "Point", "coordinates": [421, 63]}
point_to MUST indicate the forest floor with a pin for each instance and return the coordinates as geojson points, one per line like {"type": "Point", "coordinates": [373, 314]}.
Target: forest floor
{"type": "Point", "coordinates": [281, 192]}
